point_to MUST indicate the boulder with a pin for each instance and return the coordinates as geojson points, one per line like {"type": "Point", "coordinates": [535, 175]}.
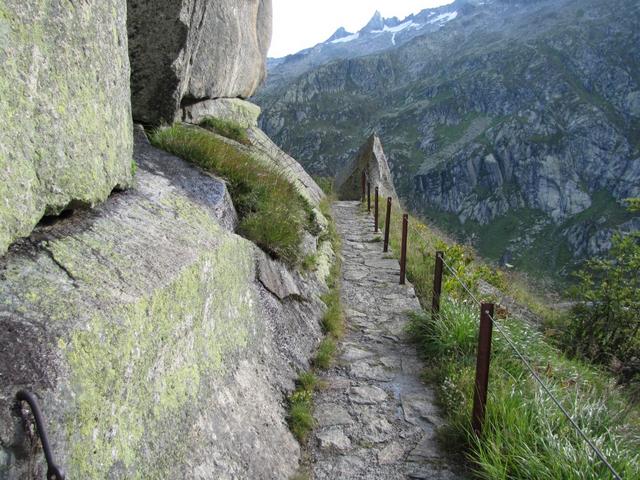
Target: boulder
{"type": "Point", "coordinates": [371, 160]}
{"type": "Point", "coordinates": [187, 51]}
{"type": "Point", "coordinates": [233, 109]}
{"type": "Point", "coordinates": [65, 103]}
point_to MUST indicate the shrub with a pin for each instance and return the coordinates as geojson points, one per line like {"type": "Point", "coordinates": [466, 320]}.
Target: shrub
{"type": "Point", "coordinates": [272, 213]}
{"type": "Point", "coordinates": [227, 128]}
{"type": "Point", "coordinates": [605, 325]}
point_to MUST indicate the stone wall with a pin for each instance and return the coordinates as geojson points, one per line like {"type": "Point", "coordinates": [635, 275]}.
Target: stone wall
{"type": "Point", "coordinates": [65, 106]}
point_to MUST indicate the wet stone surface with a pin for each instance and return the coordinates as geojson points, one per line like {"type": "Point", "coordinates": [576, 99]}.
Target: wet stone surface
{"type": "Point", "coordinates": [375, 418]}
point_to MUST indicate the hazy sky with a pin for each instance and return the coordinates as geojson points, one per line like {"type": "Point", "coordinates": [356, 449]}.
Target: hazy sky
{"type": "Point", "coordinates": [299, 24]}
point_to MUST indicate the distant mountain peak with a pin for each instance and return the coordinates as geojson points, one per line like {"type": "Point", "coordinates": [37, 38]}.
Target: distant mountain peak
{"type": "Point", "coordinates": [338, 34]}
{"type": "Point", "coordinates": [376, 23]}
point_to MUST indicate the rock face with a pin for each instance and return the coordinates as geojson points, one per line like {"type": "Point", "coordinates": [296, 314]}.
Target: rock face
{"type": "Point", "coordinates": [513, 125]}
{"type": "Point", "coordinates": [187, 51]}
{"type": "Point", "coordinates": [145, 328]}
{"type": "Point", "coordinates": [65, 104]}
{"type": "Point", "coordinates": [372, 161]}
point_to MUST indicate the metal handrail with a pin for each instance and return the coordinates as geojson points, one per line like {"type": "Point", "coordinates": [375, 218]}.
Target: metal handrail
{"type": "Point", "coordinates": [54, 472]}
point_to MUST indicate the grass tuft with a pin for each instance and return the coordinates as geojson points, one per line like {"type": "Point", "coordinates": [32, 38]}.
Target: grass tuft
{"type": "Point", "coordinates": [272, 213]}
{"type": "Point", "coordinates": [326, 353]}
{"type": "Point", "coordinates": [227, 128]}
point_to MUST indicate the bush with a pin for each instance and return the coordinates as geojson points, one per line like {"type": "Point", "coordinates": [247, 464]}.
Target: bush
{"type": "Point", "coordinates": [605, 324]}
{"type": "Point", "coordinates": [272, 213]}
{"type": "Point", "coordinates": [227, 128]}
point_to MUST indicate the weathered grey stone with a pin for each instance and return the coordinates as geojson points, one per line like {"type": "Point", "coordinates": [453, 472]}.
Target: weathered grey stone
{"type": "Point", "coordinates": [333, 439]}
{"type": "Point", "coordinates": [390, 454]}
{"type": "Point", "coordinates": [65, 105]}
{"type": "Point", "coordinates": [329, 415]}
{"type": "Point", "coordinates": [187, 51]}
{"type": "Point", "coordinates": [234, 109]}
{"type": "Point", "coordinates": [352, 353]}
{"type": "Point", "coordinates": [372, 160]}
{"type": "Point", "coordinates": [142, 327]}
{"type": "Point", "coordinates": [367, 395]}
{"type": "Point", "coordinates": [264, 149]}
{"type": "Point", "coordinates": [276, 278]}
{"type": "Point", "coordinates": [387, 382]}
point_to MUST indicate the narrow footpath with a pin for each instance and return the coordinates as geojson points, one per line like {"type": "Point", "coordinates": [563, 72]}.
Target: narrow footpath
{"type": "Point", "coordinates": [375, 418]}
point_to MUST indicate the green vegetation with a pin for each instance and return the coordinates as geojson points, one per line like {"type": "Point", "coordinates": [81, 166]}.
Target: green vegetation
{"type": "Point", "coordinates": [326, 353]}
{"type": "Point", "coordinates": [309, 263]}
{"type": "Point", "coordinates": [227, 128]}
{"type": "Point", "coordinates": [301, 408]}
{"type": "Point", "coordinates": [524, 433]}
{"type": "Point", "coordinates": [301, 400]}
{"type": "Point", "coordinates": [272, 213]}
{"type": "Point", "coordinates": [333, 319]}
{"type": "Point", "coordinates": [326, 184]}
{"type": "Point", "coordinates": [604, 326]}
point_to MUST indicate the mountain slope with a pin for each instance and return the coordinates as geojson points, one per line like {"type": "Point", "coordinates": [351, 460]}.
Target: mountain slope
{"type": "Point", "coordinates": [514, 124]}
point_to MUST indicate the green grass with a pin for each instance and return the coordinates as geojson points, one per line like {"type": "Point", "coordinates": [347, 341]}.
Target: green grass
{"type": "Point", "coordinates": [301, 408]}
{"type": "Point", "coordinates": [326, 353]}
{"type": "Point", "coordinates": [309, 262]}
{"type": "Point", "coordinates": [227, 128]}
{"type": "Point", "coordinates": [326, 184]}
{"type": "Point", "coordinates": [525, 435]}
{"type": "Point", "coordinates": [272, 213]}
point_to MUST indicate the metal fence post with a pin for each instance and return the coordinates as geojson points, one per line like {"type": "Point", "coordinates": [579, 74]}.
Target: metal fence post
{"type": "Point", "coordinates": [375, 211]}
{"type": "Point", "coordinates": [403, 249]}
{"type": "Point", "coordinates": [368, 197]}
{"type": "Point", "coordinates": [437, 283]}
{"type": "Point", "coordinates": [482, 367]}
{"type": "Point", "coordinates": [387, 226]}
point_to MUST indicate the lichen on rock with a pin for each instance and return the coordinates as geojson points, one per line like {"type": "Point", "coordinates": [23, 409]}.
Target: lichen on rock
{"type": "Point", "coordinates": [65, 103]}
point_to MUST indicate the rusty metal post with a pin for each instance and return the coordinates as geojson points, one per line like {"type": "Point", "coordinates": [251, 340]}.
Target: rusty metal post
{"type": "Point", "coordinates": [368, 197]}
{"type": "Point", "coordinates": [482, 367]}
{"type": "Point", "coordinates": [364, 185]}
{"type": "Point", "coordinates": [403, 249]}
{"type": "Point", "coordinates": [437, 283]}
{"type": "Point", "coordinates": [387, 226]}
{"type": "Point", "coordinates": [375, 211]}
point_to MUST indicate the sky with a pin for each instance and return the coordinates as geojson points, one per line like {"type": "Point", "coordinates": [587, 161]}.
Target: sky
{"type": "Point", "coordinates": [299, 24]}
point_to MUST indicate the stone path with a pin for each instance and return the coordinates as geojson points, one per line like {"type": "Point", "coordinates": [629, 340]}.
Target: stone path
{"type": "Point", "coordinates": [375, 418]}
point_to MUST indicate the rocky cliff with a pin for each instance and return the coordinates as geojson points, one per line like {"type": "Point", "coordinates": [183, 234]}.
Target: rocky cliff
{"type": "Point", "coordinates": [512, 124]}
{"type": "Point", "coordinates": [159, 343]}
{"type": "Point", "coordinates": [66, 109]}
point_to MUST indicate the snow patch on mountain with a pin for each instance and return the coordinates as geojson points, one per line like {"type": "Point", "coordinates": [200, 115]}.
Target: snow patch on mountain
{"type": "Point", "coordinates": [444, 17]}
{"type": "Point", "coordinates": [348, 38]}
